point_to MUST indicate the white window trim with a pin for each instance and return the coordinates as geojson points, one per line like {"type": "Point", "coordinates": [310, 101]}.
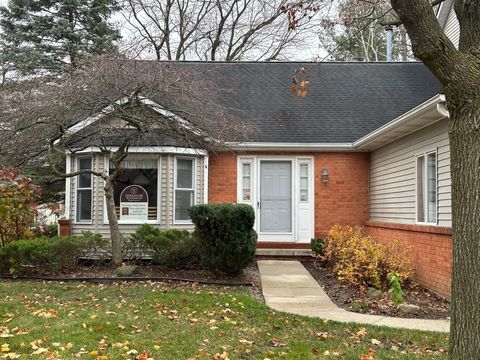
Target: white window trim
{"type": "Point", "coordinates": [159, 193]}
{"type": "Point", "coordinates": [194, 187]}
{"type": "Point", "coordinates": [425, 188]}
{"type": "Point", "coordinates": [241, 161]}
{"type": "Point", "coordinates": [77, 188]}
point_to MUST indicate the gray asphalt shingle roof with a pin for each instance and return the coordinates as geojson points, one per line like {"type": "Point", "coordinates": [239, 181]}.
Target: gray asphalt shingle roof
{"type": "Point", "coordinates": [345, 101]}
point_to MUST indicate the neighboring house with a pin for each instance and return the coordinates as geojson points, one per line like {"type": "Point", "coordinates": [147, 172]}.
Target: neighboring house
{"type": "Point", "coordinates": [367, 146]}
{"type": "Point", "coordinates": [448, 21]}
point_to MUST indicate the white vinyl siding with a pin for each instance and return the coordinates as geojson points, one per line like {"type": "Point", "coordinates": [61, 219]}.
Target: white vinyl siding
{"type": "Point", "coordinates": [166, 201]}
{"type": "Point", "coordinates": [452, 28]}
{"type": "Point", "coordinates": [393, 176]}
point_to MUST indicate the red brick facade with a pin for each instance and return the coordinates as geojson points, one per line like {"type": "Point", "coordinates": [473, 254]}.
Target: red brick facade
{"type": "Point", "coordinates": [430, 251]}
{"type": "Point", "coordinates": [343, 200]}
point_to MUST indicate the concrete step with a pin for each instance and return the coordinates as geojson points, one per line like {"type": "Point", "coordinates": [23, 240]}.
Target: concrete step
{"type": "Point", "coordinates": [284, 252]}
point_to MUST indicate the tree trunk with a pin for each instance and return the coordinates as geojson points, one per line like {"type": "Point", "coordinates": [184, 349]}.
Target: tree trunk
{"type": "Point", "coordinates": [115, 235]}
{"type": "Point", "coordinates": [465, 170]}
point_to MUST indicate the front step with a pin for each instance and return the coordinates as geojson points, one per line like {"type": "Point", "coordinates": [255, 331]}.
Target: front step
{"type": "Point", "coordinates": [283, 252]}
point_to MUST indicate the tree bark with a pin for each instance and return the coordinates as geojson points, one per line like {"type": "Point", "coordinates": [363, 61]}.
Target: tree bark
{"type": "Point", "coordinates": [115, 235]}
{"type": "Point", "coordinates": [465, 170]}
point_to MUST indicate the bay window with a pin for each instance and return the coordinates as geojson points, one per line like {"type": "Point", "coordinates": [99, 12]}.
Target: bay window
{"type": "Point", "coordinates": [184, 188]}
{"type": "Point", "coordinates": [427, 188]}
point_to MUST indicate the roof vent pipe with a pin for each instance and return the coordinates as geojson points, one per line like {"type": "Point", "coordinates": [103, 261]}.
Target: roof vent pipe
{"type": "Point", "coordinates": [389, 31]}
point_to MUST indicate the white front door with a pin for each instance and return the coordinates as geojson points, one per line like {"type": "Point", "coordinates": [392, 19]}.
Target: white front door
{"type": "Point", "coordinates": [275, 204]}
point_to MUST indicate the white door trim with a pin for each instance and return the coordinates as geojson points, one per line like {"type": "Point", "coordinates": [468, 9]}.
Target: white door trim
{"type": "Point", "coordinates": [254, 161]}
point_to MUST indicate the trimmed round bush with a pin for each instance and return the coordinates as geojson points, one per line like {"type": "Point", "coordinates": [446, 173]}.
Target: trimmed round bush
{"type": "Point", "coordinates": [225, 235]}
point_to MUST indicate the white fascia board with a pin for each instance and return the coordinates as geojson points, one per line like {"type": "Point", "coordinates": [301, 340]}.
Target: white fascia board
{"type": "Point", "coordinates": [435, 104]}
{"type": "Point", "coordinates": [273, 146]}
{"type": "Point", "coordinates": [149, 150]}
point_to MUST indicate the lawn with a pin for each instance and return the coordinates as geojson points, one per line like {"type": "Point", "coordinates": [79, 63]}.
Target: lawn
{"type": "Point", "coordinates": [159, 321]}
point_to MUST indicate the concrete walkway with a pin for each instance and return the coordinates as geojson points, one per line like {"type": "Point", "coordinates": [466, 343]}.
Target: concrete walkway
{"type": "Point", "coordinates": [287, 286]}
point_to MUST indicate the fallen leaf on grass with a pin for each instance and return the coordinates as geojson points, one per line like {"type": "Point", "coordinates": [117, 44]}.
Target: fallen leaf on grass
{"type": "Point", "coordinates": [370, 355]}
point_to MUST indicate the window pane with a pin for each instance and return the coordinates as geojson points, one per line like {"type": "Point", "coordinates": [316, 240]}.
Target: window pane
{"type": "Point", "coordinates": [84, 180]}
{"type": "Point", "coordinates": [303, 183]}
{"type": "Point", "coordinates": [432, 187]}
{"type": "Point", "coordinates": [420, 187]}
{"type": "Point", "coordinates": [246, 183]}
{"type": "Point", "coordinates": [147, 179]}
{"type": "Point", "coordinates": [183, 201]}
{"type": "Point", "coordinates": [84, 205]}
{"type": "Point", "coordinates": [246, 169]}
{"type": "Point", "coordinates": [303, 195]}
{"type": "Point", "coordinates": [246, 188]}
{"type": "Point", "coordinates": [304, 170]}
{"type": "Point", "coordinates": [85, 163]}
{"type": "Point", "coordinates": [185, 173]}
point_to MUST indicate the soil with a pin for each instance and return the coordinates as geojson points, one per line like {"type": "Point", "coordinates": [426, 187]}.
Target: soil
{"type": "Point", "coordinates": [347, 297]}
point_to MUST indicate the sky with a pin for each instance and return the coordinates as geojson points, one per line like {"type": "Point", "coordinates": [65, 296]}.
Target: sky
{"type": "Point", "coordinates": [310, 52]}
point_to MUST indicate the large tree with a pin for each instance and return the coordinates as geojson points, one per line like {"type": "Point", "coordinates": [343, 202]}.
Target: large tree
{"type": "Point", "coordinates": [44, 36]}
{"type": "Point", "coordinates": [139, 100]}
{"type": "Point", "coordinates": [459, 72]}
{"type": "Point", "coordinates": [215, 29]}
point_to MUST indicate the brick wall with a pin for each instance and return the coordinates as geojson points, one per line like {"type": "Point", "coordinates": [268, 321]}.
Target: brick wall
{"type": "Point", "coordinates": [343, 200]}
{"type": "Point", "coordinates": [430, 251]}
{"type": "Point", "coordinates": [222, 178]}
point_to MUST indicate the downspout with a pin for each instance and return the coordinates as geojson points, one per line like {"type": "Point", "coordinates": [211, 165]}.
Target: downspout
{"type": "Point", "coordinates": [389, 31]}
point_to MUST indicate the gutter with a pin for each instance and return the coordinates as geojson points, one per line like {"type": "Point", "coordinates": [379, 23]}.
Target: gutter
{"type": "Point", "coordinates": [291, 146]}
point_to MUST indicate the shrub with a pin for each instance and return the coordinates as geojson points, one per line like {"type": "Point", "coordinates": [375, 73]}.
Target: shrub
{"type": "Point", "coordinates": [17, 205]}
{"type": "Point", "coordinates": [395, 288]}
{"type": "Point", "coordinates": [46, 255]}
{"type": "Point", "coordinates": [317, 246]}
{"type": "Point", "coordinates": [171, 248]}
{"type": "Point", "coordinates": [359, 260]}
{"type": "Point", "coordinates": [226, 239]}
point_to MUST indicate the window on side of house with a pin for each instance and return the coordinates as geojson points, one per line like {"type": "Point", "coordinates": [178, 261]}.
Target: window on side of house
{"type": "Point", "coordinates": [427, 188]}
{"type": "Point", "coordinates": [143, 172]}
{"type": "Point", "coordinates": [84, 190]}
{"type": "Point", "coordinates": [184, 188]}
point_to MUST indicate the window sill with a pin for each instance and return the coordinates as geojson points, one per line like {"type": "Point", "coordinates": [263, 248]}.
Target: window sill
{"type": "Point", "coordinates": [182, 222]}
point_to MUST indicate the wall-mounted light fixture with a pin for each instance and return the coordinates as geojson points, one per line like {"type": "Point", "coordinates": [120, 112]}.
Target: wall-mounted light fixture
{"type": "Point", "coordinates": [325, 175]}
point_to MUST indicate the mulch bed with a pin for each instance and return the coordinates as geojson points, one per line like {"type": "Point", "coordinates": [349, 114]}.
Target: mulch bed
{"type": "Point", "coordinates": [105, 273]}
{"type": "Point", "coordinates": [431, 305]}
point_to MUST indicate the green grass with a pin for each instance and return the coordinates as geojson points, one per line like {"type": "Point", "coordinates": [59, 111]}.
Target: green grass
{"type": "Point", "coordinates": [124, 321]}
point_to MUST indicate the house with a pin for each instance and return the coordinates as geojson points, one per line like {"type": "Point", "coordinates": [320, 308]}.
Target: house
{"type": "Point", "coordinates": [368, 145]}
{"type": "Point", "coordinates": [448, 21]}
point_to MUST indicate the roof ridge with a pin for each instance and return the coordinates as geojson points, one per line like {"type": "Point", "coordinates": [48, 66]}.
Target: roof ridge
{"type": "Point", "coordinates": [273, 62]}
